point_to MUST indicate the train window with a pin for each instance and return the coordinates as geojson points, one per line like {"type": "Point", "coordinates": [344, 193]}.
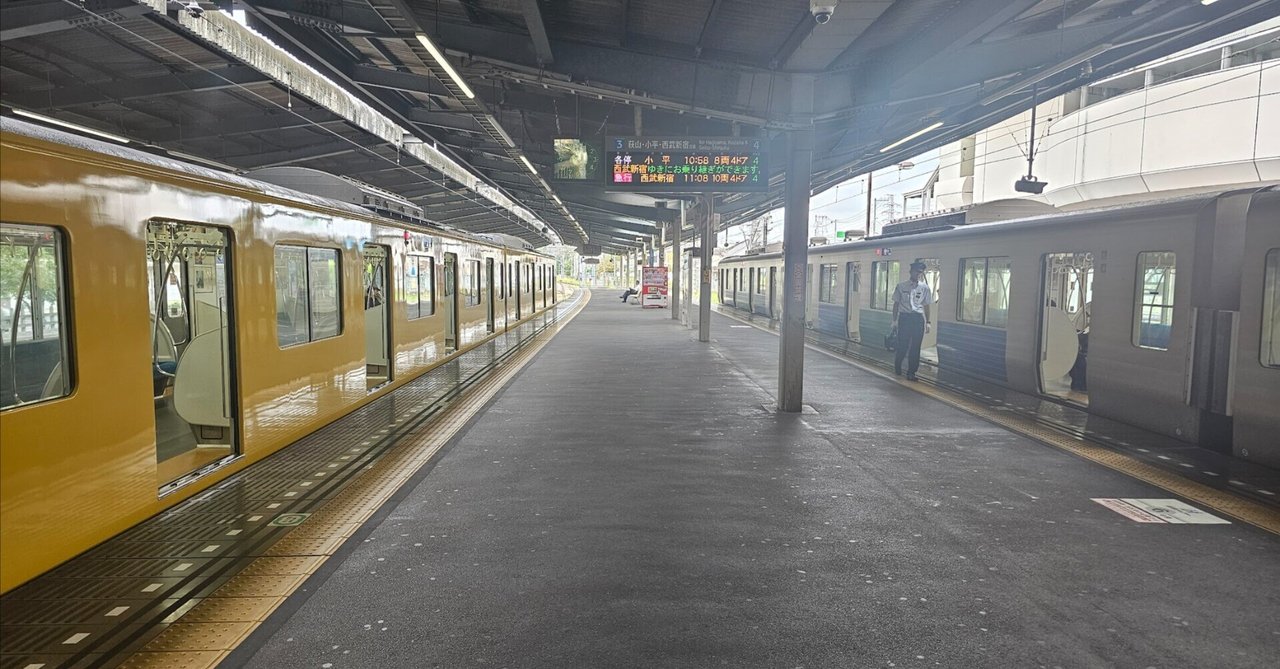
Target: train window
{"type": "Point", "coordinates": [471, 283]}
{"type": "Point", "coordinates": [932, 276]}
{"type": "Point", "coordinates": [420, 286]}
{"type": "Point", "coordinates": [1153, 312]}
{"type": "Point", "coordinates": [1269, 351]}
{"type": "Point", "coordinates": [34, 356]}
{"type": "Point", "coordinates": [827, 283]}
{"type": "Point", "coordinates": [762, 282]}
{"type": "Point", "coordinates": [984, 291]}
{"type": "Point", "coordinates": [308, 294]}
{"type": "Point", "coordinates": [884, 278]}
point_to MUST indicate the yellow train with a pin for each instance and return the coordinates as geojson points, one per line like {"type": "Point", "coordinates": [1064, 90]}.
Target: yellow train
{"type": "Point", "coordinates": [165, 325]}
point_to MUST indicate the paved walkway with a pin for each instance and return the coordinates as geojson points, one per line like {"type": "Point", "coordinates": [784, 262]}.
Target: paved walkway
{"type": "Point", "coordinates": [631, 500]}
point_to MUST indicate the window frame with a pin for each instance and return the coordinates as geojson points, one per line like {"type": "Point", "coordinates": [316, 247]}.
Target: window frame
{"type": "Point", "coordinates": [310, 292]}
{"type": "Point", "coordinates": [879, 267]}
{"type": "Point", "coordinates": [827, 280]}
{"type": "Point", "coordinates": [984, 310]}
{"type": "Point", "coordinates": [61, 254]}
{"type": "Point", "coordinates": [1140, 305]}
{"type": "Point", "coordinates": [430, 274]}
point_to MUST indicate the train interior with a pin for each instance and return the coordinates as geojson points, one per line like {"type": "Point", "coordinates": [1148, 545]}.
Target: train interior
{"type": "Point", "coordinates": [377, 315]}
{"type": "Point", "coordinates": [32, 304]}
{"type": "Point", "coordinates": [1064, 326]}
{"type": "Point", "coordinates": [191, 352]}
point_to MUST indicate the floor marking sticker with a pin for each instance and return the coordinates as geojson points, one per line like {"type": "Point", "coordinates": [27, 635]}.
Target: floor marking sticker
{"type": "Point", "coordinates": [1170, 511]}
{"type": "Point", "coordinates": [116, 611]}
{"type": "Point", "coordinates": [289, 519]}
{"type": "Point", "coordinates": [76, 638]}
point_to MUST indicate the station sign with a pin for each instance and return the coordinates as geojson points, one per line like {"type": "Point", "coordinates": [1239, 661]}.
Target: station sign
{"type": "Point", "coordinates": [686, 164]}
{"type": "Point", "coordinates": [591, 249]}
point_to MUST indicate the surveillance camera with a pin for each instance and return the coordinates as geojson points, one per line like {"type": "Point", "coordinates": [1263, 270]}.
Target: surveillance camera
{"type": "Point", "coordinates": [192, 8]}
{"type": "Point", "coordinates": [822, 10]}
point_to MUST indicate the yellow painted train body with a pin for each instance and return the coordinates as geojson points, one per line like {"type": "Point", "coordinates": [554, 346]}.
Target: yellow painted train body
{"type": "Point", "coordinates": [79, 468]}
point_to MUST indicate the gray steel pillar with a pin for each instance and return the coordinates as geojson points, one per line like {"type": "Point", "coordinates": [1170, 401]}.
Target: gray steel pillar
{"type": "Point", "coordinates": [795, 254]}
{"type": "Point", "coordinates": [675, 264]}
{"type": "Point", "coordinates": [704, 290]}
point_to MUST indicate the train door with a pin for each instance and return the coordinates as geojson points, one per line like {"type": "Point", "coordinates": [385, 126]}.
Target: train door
{"type": "Point", "coordinates": [377, 316]}
{"type": "Point", "coordinates": [773, 292]}
{"type": "Point", "coordinates": [450, 301]}
{"type": "Point", "coordinates": [489, 295]}
{"type": "Point", "coordinates": [933, 279]}
{"type": "Point", "coordinates": [853, 299]}
{"type": "Point", "coordinates": [193, 380]}
{"type": "Point", "coordinates": [517, 288]}
{"type": "Point", "coordinates": [1064, 325]}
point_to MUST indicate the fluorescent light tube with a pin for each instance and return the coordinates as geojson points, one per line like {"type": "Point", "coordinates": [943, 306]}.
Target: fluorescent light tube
{"type": "Point", "coordinates": [529, 164]}
{"type": "Point", "coordinates": [453, 74]}
{"type": "Point", "coordinates": [71, 126]}
{"type": "Point", "coordinates": [912, 136]}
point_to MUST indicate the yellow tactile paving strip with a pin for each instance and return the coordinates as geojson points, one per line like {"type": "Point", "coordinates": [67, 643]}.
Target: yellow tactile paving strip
{"type": "Point", "coordinates": [1226, 503]}
{"type": "Point", "coordinates": [216, 625]}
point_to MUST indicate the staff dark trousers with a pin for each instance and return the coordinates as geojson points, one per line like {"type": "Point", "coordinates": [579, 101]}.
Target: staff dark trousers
{"type": "Point", "coordinates": [910, 334]}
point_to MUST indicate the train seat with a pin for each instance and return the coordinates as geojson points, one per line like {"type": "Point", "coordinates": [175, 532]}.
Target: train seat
{"type": "Point", "coordinates": [200, 382]}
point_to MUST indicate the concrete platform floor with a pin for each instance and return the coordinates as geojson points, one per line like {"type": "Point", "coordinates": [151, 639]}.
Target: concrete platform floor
{"type": "Point", "coordinates": [631, 500]}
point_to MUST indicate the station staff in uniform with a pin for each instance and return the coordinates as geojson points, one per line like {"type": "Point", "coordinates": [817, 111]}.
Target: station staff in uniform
{"type": "Point", "coordinates": [911, 319]}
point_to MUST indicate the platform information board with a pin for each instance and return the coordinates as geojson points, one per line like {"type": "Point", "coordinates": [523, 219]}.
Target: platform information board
{"type": "Point", "coordinates": [686, 164]}
{"type": "Point", "coordinates": [653, 287]}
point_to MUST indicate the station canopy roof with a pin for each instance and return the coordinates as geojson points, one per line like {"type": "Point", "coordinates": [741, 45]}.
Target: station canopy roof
{"type": "Point", "coordinates": [351, 86]}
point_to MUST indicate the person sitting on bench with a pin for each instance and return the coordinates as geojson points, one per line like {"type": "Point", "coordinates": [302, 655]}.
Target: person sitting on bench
{"type": "Point", "coordinates": [635, 290]}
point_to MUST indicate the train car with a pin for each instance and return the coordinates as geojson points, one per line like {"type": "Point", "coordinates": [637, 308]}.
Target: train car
{"type": "Point", "coordinates": [1164, 315]}
{"type": "Point", "coordinates": [166, 325]}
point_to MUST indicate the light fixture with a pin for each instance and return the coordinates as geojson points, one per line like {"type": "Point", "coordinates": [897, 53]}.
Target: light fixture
{"type": "Point", "coordinates": [70, 126]}
{"type": "Point", "coordinates": [912, 136]}
{"type": "Point", "coordinates": [453, 74]}
{"type": "Point", "coordinates": [498, 126]}
{"type": "Point", "coordinates": [1207, 2]}
{"type": "Point", "coordinates": [529, 164]}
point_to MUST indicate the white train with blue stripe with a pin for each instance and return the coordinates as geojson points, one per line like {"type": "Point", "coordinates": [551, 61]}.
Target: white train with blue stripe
{"type": "Point", "coordinates": [1164, 315]}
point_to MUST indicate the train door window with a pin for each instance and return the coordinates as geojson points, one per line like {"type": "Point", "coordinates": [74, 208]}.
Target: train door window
{"type": "Point", "coordinates": [471, 283]}
{"type": "Point", "coordinates": [377, 316]}
{"type": "Point", "coordinates": [420, 287]}
{"type": "Point", "coordinates": [450, 298]}
{"type": "Point", "coordinates": [1153, 301]}
{"type": "Point", "coordinates": [34, 342]}
{"type": "Point", "coordinates": [192, 377]}
{"type": "Point", "coordinates": [1269, 351]}
{"type": "Point", "coordinates": [487, 285]}
{"type": "Point", "coordinates": [308, 296]}
{"type": "Point", "coordinates": [853, 299]}
{"type": "Point", "coordinates": [827, 280]}
{"type": "Point", "coordinates": [984, 291]}
{"type": "Point", "coordinates": [884, 278]}
{"type": "Point", "coordinates": [762, 282]}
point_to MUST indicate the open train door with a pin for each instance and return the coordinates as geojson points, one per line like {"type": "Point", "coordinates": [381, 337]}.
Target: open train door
{"type": "Point", "coordinates": [1064, 325]}
{"type": "Point", "coordinates": [377, 316]}
{"type": "Point", "coordinates": [193, 374]}
{"type": "Point", "coordinates": [451, 301]}
{"type": "Point", "coordinates": [853, 300]}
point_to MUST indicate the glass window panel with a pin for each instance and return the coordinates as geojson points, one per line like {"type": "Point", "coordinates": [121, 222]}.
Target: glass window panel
{"type": "Point", "coordinates": [997, 307]}
{"type": "Point", "coordinates": [322, 279]}
{"type": "Point", "coordinates": [411, 305]}
{"type": "Point", "coordinates": [426, 286]}
{"type": "Point", "coordinates": [1153, 312]}
{"type": "Point", "coordinates": [827, 283]}
{"type": "Point", "coordinates": [885, 279]}
{"type": "Point", "coordinates": [1269, 352]}
{"type": "Point", "coordinates": [472, 283]}
{"type": "Point", "coordinates": [292, 302]}
{"type": "Point", "coordinates": [973, 281]}
{"type": "Point", "coordinates": [34, 358]}
{"type": "Point", "coordinates": [762, 282]}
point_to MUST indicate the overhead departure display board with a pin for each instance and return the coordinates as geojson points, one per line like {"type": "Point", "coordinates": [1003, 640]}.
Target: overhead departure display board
{"type": "Point", "coordinates": [686, 164]}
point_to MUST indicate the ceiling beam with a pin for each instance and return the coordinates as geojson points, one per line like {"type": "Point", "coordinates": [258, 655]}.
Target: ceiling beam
{"type": "Point", "coordinates": [350, 17]}
{"type": "Point", "coordinates": [32, 19]}
{"type": "Point", "coordinates": [120, 90]}
{"type": "Point", "coordinates": [218, 127]}
{"type": "Point", "coordinates": [537, 31]}
{"type": "Point", "coordinates": [256, 161]}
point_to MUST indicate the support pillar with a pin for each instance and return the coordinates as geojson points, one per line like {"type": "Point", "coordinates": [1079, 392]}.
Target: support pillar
{"type": "Point", "coordinates": [677, 230]}
{"type": "Point", "coordinates": [704, 280]}
{"type": "Point", "coordinates": [795, 253]}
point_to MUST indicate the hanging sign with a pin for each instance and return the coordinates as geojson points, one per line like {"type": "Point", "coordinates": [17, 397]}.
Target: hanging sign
{"type": "Point", "coordinates": [686, 164]}
{"type": "Point", "coordinates": [653, 287]}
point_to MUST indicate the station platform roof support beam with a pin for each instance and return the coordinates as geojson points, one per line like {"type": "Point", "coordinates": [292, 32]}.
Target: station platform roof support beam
{"type": "Point", "coordinates": [795, 251]}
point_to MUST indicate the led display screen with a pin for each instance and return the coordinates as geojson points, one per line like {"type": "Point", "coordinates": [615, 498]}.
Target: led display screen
{"type": "Point", "coordinates": [686, 164]}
